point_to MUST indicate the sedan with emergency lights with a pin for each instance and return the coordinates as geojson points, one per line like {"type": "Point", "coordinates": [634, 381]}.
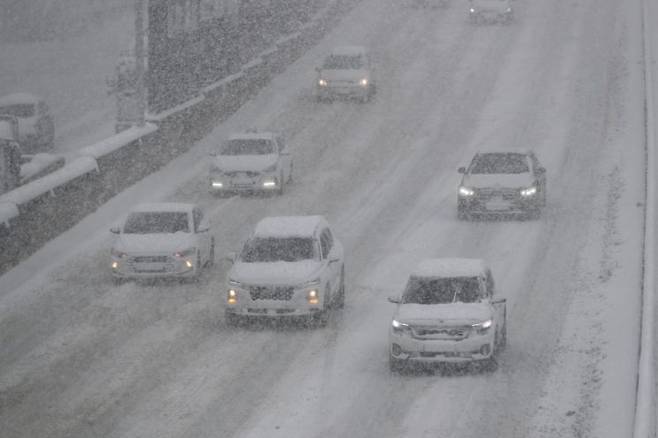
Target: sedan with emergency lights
{"type": "Point", "coordinates": [447, 314]}
{"type": "Point", "coordinates": [502, 183]}
{"type": "Point", "coordinates": [290, 267]}
{"type": "Point", "coordinates": [162, 240]}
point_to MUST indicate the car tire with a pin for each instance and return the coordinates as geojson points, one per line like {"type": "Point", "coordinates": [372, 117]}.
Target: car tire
{"type": "Point", "coordinates": [462, 213]}
{"type": "Point", "coordinates": [339, 301]}
{"type": "Point", "coordinates": [395, 365]}
{"type": "Point", "coordinates": [117, 281]}
{"type": "Point", "coordinates": [232, 320]}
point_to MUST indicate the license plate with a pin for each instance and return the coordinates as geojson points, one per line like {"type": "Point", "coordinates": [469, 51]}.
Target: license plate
{"type": "Point", "coordinates": [497, 204]}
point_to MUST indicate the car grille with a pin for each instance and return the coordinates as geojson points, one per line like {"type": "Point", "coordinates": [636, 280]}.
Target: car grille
{"type": "Point", "coordinates": [282, 293]}
{"type": "Point", "coordinates": [440, 333]}
{"type": "Point", "coordinates": [149, 259]}
{"type": "Point", "coordinates": [506, 194]}
{"type": "Point", "coordinates": [248, 174]}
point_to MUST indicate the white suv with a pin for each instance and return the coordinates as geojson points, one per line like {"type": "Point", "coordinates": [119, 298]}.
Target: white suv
{"type": "Point", "coordinates": [348, 72]}
{"type": "Point", "coordinates": [447, 313]}
{"type": "Point", "coordinates": [162, 240]}
{"type": "Point", "coordinates": [290, 267]}
{"type": "Point", "coordinates": [251, 162]}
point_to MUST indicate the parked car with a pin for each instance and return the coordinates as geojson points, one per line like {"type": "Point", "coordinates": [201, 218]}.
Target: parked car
{"type": "Point", "coordinates": [346, 72]}
{"type": "Point", "coordinates": [251, 162]}
{"type": "Point", "coordinates": [290, 267]}
{"type": "Point", "coordinates": [162, 240]}
{"type": "Point", "coordinates": [490, 11]}
{"type": "Point", "coordinates": [36, 128]}
{"type": "Point", "coordinates": [447, 314]}
{"type": "Point", "coordinates": [502, 183]}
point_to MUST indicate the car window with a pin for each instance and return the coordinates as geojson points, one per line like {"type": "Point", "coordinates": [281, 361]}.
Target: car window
{"type": "Point", "coordinates": [492, 163]}
{"type": "Point", "coordinates": [326, 243]}
{"type": "Point", "coordinates": [156, 222]}
{"type": "Point", "coordinates": [19, 110]}
{"type": "Point", "coordinates": [256, 146]}
{"type": "Point", "coordinates": [288, 249]}
{"type": "Point", "coordinates": [442, 290]}
{"type": "Point", "coordinates": [343, 62]}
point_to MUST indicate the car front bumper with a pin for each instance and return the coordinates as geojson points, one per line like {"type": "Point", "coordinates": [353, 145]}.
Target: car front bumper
{"type": "Point", "coordinates": [246, 185]}
{"type": "Point", "coordinates": [128, 268]}
{"type": "Point", "coordinates": [342, 90]}
{"type": "Point", "coordinates": [516, 205]}
{"type": "Point", "coordinates": [472, 348]}
{"type": "Point", "coordinates": [296, 306]}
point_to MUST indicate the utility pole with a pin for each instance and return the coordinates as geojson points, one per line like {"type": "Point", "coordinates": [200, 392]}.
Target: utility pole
{"type": "Point", "coordinates": [140, 60]}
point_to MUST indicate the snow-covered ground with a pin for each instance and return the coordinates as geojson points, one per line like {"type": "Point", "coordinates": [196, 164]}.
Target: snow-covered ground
{"type": "Point", "coordinates": [69, 73]}
{"type": "Point", "coordinates": [81, 357]}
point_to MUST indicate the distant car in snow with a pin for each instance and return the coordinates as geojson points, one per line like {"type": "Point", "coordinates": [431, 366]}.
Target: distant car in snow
{"type": "Point", "coordinates": [291, 266]}
{"type": "Point", "coordinates": [490, 11]}
{"type": "Point", "coordinates": [251, 162]}
{"type": "Point", "coordinates": [447, 314]}
{"type": "Point", "coordinates": [502, 183]}
{"type": "Point", "coordinates": [346, 72]}
{"type": "Point", "coordinates": [162, 240]}
{"type": "Point", "coordinates": [36, 128]}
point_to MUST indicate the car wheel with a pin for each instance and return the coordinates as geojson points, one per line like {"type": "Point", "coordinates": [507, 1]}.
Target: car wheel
{"type": "Point", "coordinates": [489, 365]}
{"type": "Point", "coordinates": [117, 281]}
{"type": "Point", "coordinates": [394, 364]}
{"type": "Point", "coordinates": [339, 302]}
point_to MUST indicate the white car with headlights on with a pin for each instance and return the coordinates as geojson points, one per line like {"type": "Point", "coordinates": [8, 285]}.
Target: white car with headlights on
{"type": "Point", "coordinates": [502, 183]}
{"type": "Point", "coordinates": [251, 162]}
{"type": "Point", "coordinates": [162, 240]}
{"type": "Point", "coordinates": [490, 11]}
{"type": "Point", "coordinates": [291, 266]}
{"type": "Point", "coordinates": [447, 314]}
{"type": "Point", "coordinates": [346, 72]}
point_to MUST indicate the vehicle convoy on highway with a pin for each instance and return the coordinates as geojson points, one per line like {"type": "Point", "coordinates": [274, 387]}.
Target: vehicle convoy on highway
{"type": "Point", "coordinates": [291, 266]}
{"type": "Point", "coordinates": [160, 240]}
{"type": "Point", "coordinates": [36, 127]}
{"type": "Point", "coordinates": [251, 162]}
{"type": "Point", "coordinates": [490, 11]}
{"type": "Point", "coordinates": [502, 183]}
{"type": "Point", "coordinates": [448, 313]}
{"type": "Point", "coordinates": [346, 72]}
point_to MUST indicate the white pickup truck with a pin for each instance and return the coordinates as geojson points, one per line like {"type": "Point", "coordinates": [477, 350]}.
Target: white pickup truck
{"type": "Point", "coordinates": [447, 314]}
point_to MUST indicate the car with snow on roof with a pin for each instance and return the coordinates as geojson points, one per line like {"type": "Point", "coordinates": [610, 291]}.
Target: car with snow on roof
{"type": "Point", "coordinates": [346, 72]}
{"type": "Point", "coordinates": [502, 183]}
{"type": "Point", "coordinates": [290, 267]}
{"type": "Point", "coordinates": [447, 313]}
{"type": "Point", "coordinates": [160, 240]}
{"type": "Point", "coordinates": [251, 162]}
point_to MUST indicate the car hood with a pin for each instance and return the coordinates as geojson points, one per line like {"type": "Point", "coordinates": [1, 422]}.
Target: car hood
{"type": "Point", "coordinates": [490, 5]}
{"type": "Point", "coordinates": [154, 243]}
{"type": "Point", "coordinates": [512, 180]}
{"type": "Point", "coordinates": [244, 163]}
{"type": "Point", "coordinates": [276, 273]}
{"type": "Point", "coordinates": [444, 314]}
{"type": "Point", "coordinates": [344, 75]}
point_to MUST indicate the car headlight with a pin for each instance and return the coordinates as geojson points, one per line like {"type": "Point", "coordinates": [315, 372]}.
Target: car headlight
{"type": "Point", "coordinates": [322, 82]}
{"type": "Point", "coordinates": [530, 191]}
{"type": "Point", "coordinates": [466, 191]}
{"type": "Point", "coordinates": [185, 253]}
{"type": "Point", "coordinates": [508, 10]}
{"type": "Point", "coordinates": [472, 10]}
{"type": "Point", "coordinates": [482, 327]}
{"type": "Point", "coordinates": [232, 296]}
{"type": "Point", "coordinates": [118, 254]}
{"type": "Point", "coordinates": [400, 327]}
{"type": "Point", "coordinates": [363, 82]}
{"type": "Point", "coordinates": [313, 296]}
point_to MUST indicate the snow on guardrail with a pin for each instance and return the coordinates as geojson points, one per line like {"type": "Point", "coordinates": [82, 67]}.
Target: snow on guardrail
{"type": "Point", "coordinates": [76, 168]}
{"type": "Point", "coordinates": [8, 211]}
{"type": "Point", "coordinates": [645, 406]}
{"type": "Point", "coordinates": [117, 141]}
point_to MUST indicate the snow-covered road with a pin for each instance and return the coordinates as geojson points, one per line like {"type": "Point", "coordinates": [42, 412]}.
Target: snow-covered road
{"type": "Point", "coordinates": [81, 357]}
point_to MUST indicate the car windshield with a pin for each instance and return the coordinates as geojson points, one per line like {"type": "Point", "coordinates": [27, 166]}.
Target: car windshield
{"type": "Point", "coordinates": [343, 62]}
{"type": "Point", "coordinates": [19, 110]}
{"type": "Point", "coordinates": [441, 290]}
{"type": "Point", "coordinates": [289, 249]}
{"type": "Point", "coordinates": [156, 222]}
{"type": "Point", "coordinates": [499, 163]}
{"type": "Point", "coordinates": [255, 146]}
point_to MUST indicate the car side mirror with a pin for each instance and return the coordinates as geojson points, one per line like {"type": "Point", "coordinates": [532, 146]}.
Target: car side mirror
{"type": "Point", "coordinates": [213, 154]}
{"type": "Point", "coordinates": [461, 170]}
{"type": "Point", "coordinates": [203, 229]}
{"type": "Point", "coordinates": [231, 257]}
{"type": "Point", "coordinates": [394, 300]}
{"type": "Point", "coordinates": [334, 260]}
{"type": "Point", "coordinates": [115, 230]}
{"type": "Point", "coordinates": [541, 170]}
{"type": "Point", "coordinates": [499, 301]}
